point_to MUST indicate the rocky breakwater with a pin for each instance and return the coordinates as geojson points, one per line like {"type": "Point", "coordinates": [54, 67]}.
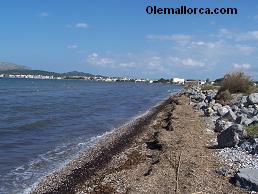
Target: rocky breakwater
{"type": "Point", "coordinates": [233, 144]}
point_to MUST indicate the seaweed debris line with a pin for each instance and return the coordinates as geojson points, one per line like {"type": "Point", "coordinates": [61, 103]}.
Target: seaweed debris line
{"type": "Point", "coordinates": [166, 151]}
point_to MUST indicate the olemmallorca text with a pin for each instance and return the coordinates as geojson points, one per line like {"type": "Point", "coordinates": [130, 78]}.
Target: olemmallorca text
{"type": "Point", "coordinates": [184, 10]}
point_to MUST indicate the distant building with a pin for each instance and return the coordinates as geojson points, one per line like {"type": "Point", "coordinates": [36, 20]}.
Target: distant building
{"type": "Point", "coordinates": [194, 82]}
{"type": "Point", "coordinates": [178, 81]}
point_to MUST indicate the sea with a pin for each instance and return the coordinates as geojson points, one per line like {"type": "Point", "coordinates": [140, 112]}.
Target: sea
{"type": "Point", "coordinates": [44, 124]}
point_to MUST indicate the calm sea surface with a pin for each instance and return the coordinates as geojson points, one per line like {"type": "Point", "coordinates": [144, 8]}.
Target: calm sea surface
{"type": "Point", "coordinates": [46, 123]}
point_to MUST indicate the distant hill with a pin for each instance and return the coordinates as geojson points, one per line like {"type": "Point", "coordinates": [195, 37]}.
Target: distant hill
{"type": "Point", "coordinates": [76, 73]}
{"type": "Point", "coordinates": [14, 69]}
{"type": "Point", "coordinates": [4, 66]}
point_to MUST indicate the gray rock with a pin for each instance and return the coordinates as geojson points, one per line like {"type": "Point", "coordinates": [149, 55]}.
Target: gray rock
{"type": "Point", "coordinates": [201, 105]}
{"type": "Point", "coordinates": [243, 100]}
{"type": "Point", "coordinates": [210, 96]}
{"type": "Point", "coordinates": [255, 120]}
{"type": "Point", "coordinates": [198, 97]}
{"type": "Point", "coordinates": [247, 122]}
{"type": "Point", "coordinates": [247, 111]}
{"type": "Point", "coordinates": [222, 110]}
{"type": "Point", "coordinates": [234, 108]}
{"type": "Point", "coordinates": [231, 136]}
{"type": "Point", "coordinates": [255, 113]}
{"type": "Point", "coordinates": [240, 119]}
{"type": "Point", "coordinates": [208, 112]}
{"type": "Point", "coordinates": [221, 125]}
{"type": "Point", "coordinates": [216, 106]}
{"type": "Point", "coordinates": [247, 178]}
{"type": "Point", "coordinates": [230, 116]}
{"type": "Point", "coordinates": [252, 98]}
{"type": "Point", "coordinates": [212, 102]}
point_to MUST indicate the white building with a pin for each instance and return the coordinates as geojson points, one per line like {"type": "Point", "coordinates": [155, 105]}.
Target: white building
{"type": "Point", "coordinates": [178, 81]}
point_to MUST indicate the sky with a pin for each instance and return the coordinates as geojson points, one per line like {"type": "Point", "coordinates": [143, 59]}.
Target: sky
{"type": "Point", "coordinates": [118, 38]}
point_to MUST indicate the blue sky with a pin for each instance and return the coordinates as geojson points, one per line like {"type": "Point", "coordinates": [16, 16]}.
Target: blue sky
{"type": "Point", "coordinates": [118, 38]}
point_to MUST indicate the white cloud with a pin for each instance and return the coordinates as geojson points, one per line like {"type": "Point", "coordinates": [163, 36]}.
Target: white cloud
{"type": "Point", "coordinates": [246, 50]}
{"type": "Point", "coordinates": [238, 36]}
{"type": "Point", "coordinates": [204, 44]}
{"type": "Point", "coordinates": [244, 66]}
{"type": "Point", "coordinates": [251, 35]}
{"type": "Point", "coordinates": [172, 37]}
{"type": "Point", "coordinates": [72, 46]}
{"type": "Point", "coordinates": [127, 65]}
{"type": "Point", "coordinates": [81, 25]}
{"type": "Point", "coordinates": [94, 59]}
{"type": "Point", "coordinates": [187, 62]}
{"type": "Point", "coordinates": [44, 14]}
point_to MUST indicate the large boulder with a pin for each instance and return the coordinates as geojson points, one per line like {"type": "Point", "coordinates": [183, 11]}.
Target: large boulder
{"type": "Point", "coordinates": [252, 98]}
{"type": "Point", "coordinates": [247, 178]}
{"type": "Point", "coordinates": [231, 136]}
{"type": "Point", "coordinates": [223, 110]}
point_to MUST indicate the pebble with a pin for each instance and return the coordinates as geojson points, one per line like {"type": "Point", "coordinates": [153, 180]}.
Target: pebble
{"type": "Point", "coordinates": [238, 158]}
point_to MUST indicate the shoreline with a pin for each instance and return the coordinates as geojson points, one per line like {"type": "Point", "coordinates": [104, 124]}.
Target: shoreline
{"type": "Point", "coordinates": [92, 160]}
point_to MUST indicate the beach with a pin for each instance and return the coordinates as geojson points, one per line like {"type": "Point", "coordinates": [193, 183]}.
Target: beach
{"type": "Point", "coordinates": [168, 150]}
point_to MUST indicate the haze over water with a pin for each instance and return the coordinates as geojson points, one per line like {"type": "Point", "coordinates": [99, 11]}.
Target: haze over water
{"type": "Point", "coordinates": [46, 123]}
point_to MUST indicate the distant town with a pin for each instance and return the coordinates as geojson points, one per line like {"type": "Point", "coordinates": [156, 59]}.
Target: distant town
{"type": "Point", "coordinates": [9, 70]}
{"type": "Point", "coordinates": [179, 81]}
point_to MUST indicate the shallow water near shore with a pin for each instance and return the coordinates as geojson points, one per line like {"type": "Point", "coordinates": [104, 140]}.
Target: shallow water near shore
{"type": "Point", "coordinates": [46, 123]}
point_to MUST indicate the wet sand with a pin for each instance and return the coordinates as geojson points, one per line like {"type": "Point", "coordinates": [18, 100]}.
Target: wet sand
{"type": "Point", "coordinates": [165, 151]}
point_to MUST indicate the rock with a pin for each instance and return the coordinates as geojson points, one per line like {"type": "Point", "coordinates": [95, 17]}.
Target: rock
{"type": "Point", "coordinates": [243, 100]}
{"type": "Point", "coordinates": [230, 116]}
{"type": "Point", "coordinates": [247, 122]}
{"type": "Point", "coordinates": [221, 125]}
{"type": "Point", "coordinates": [216, 106]}
{"type": "Point", "coordinates": [201, 105]}
{"type": "Point", "coordinates": [198, 97]}
{"type": "Point", "coordinates": [248, 111]}
{"type": "Point", "coordinates": [231, 136]}
{"type": "Point", "coordinates": [240, 119]}
{"type": "Point", "coordinates": [222, 111]}
{"type": "Point", "coordinates": [247, 178]}
{"type": "Point", "coordinates": [212, 102]}
{"type": "Point", "coordinates": [255, 113]}
{"type": "Point", "coordinates": [252, 98]}
{"type": "Point", "coordinates": [255, 120]}
{"type": "Point", "coordinates": [208, 112]}
{"type": "Point", "coordinates": [210, 96]}
{"type": "Point", "coordinates": [234, 108]}
{"type": "Point", "coordinates": [254, 150]}
{"type": "Point", "coordinates": [247, 146]}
